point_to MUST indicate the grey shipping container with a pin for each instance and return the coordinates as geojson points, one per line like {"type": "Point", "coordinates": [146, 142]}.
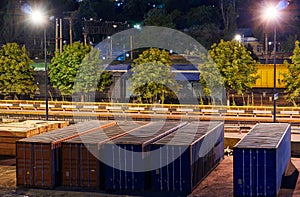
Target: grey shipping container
{"type": "Point", "coordinates": [185, 157]}
{"type": "Point", "coordinates": [38, 160]}
{"type": "Point", "coordinates": [260, 160]}
{"type": "Point", "coordinates": [127, 158]}
{"type": "Point", "coordinates": [81, 164]}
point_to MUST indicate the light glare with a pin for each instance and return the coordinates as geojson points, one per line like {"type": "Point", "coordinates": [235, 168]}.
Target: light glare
{"type": "Point", "coordinates": [271, 13]}
{"type": "Point", "coordinates": [37, 17]}
{"type": "Point", "coordinates": [238, 37]}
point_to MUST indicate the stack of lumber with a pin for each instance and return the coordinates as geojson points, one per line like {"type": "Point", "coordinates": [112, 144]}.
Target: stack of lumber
{"type": "Point", "coordinates": [13, 131]}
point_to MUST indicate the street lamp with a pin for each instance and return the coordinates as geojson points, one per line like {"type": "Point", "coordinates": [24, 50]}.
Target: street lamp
{"type": "Point", "coordinates": [39, 18]}
{"type": "Point", "coordinates": [272, 14]}
{"type": "Point", "coordinates": [238, 37]}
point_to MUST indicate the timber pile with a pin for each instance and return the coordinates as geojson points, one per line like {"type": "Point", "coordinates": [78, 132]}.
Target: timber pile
{"type": "Point", "coordinates": [13, 131]}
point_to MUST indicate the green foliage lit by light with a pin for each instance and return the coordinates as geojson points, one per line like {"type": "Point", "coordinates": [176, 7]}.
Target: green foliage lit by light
{"type": "Point", "coordinates": [16, 75]}
{"type": "Point", "coordinates": [292, 78]}
{"type": "Point", "coordinates": [80, 64]}
{"type": "Point", "coordinates": [91, 76]}
{"type": "Point", "coordinates": [152, 78]}
{"type": "Point", "coordinates": [235, 64]}
{"type": "Point", "coordinates": [64, 67]}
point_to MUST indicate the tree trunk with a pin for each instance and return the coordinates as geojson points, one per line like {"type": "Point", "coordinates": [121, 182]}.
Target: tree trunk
{"type": "Point", "coordinates": [228, 98]}
{"type": "Point", "coordinates": [244, 102]}
{"type": "Point", "coordinates": [50, 94]}
{"type": "Point", "coordinates": [163, 98]}
{"type": "Point", "coordinates": [82, 97]}
{"type": "Point", "coordinates": [15, 97]}
{"type": "Point", "coordinates": [233, 101]}
{"type": "Point", "coordinates": [223, 12]}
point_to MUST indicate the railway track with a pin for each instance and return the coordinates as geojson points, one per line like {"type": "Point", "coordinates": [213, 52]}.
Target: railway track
{"type": "Point", "coordinates": [232, 122]}
{"type": "Point", "coordinates": [236, 118]}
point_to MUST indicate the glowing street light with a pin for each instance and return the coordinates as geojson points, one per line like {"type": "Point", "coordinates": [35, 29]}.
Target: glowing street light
{"type": "Point", "coordinates": [272, 13]}
{"type": "Point", "coordinates": [37, 17]}
{"type": "Point", "coordinates": [238, 38]}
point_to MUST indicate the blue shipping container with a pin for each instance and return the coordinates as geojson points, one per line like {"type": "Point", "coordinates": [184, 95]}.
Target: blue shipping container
{"type": "Point", "coordinates": [187, 156]}
{"type": "Point", "coordinates": [260, 160]}
{"type": "Point", "coordinates": [127, 157]}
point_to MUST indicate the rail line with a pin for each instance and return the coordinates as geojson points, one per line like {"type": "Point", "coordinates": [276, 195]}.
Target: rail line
{"type": "Point", "coordinates": [234, 116]}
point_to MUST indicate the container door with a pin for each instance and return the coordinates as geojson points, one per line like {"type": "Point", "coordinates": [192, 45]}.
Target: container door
{"type": "Point", "coordinates": [66, 163]}
{"type": "Point", "coordinates": [111, 173]}
{"type": "Point", "coordinates": [24, 164]}
{"type": "Point", "coordinates": [89, 168]}
{"type": "Point", "coordinates": [71, 167]}
{"type": "Point", "coordinates": [254, 172]}
{"type": "Point", "coordinates": [42, 166]}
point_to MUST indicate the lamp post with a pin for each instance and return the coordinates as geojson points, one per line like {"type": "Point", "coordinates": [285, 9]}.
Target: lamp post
{"type": "Point", "coordinates": [274, 90]}
{"type": "Point", "coordinates": [110, 47]}
{"type": "Point", "coordinates": [39, 18]}
{"type": "Point", "coordinates": [46, 73]}
{"type": "Point", "coordinates": [271, 14]}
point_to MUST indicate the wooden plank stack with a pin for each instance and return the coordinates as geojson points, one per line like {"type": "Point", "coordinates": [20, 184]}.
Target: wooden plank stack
{"type": "Point", "coordinates": [13, 131]}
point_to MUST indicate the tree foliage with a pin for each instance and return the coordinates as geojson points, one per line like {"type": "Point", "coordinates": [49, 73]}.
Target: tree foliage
{"type": "Point", "coordinates": [152, 78]}
{"type": "Point", "coordinates": [206, 34]}
{"type": "Point", "coordinates": [135, 9]}
{"type": "Point", "coordinates": [16, 75]}
{"type": "Point", "coordinates": [80, 63]}
{"type": "Point", "coordinates": [91, 76]}
{"type": "Point", "coordinates": [292, 78]}
{"type": "Point", "coordinates": [64, 66]}
{"type": "Point", "coordinates": [153, 55]}
{"type": "Point", "coordinates": [236, 66]}
{"type": "Point", "coordinates": [229, 17]}
{"type": "Point", "coordinates": [12, 29]}
{"type": "Point", "coordinates": [158, 17]}
{"type": "Point", "coordinates": [86, 10]}
{"type": "Point", "coordinates": [202, 15]}
{"type": "Point", "coordinates": [210, 77]}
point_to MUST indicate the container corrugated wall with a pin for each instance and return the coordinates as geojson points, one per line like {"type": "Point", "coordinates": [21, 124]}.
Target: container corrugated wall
{"type": "Point", "coordinates": [130, 159]}
{"type": "Point", "coordinates": [38, 158]}
{"type": "Point", "coordinates": [193, 152]}
{"type": "Point", "coordinates": [80, 165]}
{"type": "Point", "coordinates": [260, 160]}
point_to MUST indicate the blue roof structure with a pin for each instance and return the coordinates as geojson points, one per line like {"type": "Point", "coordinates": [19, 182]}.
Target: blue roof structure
{"type": "Point", "coordinates": [184, 67]}
{"type": "Point", "coordinates": [184, 72]}
{"type": "Point", "coordinates": [119, 67]}
{"type": "Point", "coordinates": [187, 76]}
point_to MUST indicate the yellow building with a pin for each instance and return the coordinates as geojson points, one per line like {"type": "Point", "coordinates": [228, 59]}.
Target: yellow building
{"type": "Point", "coordinates": [266, 76]}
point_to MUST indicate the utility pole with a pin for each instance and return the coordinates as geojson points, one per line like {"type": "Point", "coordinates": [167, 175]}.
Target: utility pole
{"type": "Point", "coordinates": [61, 35]}
{"type": "Point", "coordinates": [131, 47]}
{"type": "Point", "coordinates": [56, 34]}
{"type": "Point", "coordinates": [70, 18]}
{"type": "Point", "coordinates": [266, 47]}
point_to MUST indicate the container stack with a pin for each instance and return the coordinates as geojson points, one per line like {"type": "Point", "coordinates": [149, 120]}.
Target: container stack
{"type": "Point", "coordinates": [38, 158]}
{"type": "Point", "coordinates": [122, 156]}
{"type": "Point", "coordinates": [81, 164]}
{"type": "Point", "coordinates": [187, 156]}
{"type": "Point", "coordinates": [260, 160]}
{"type": "Point", "coordinates": [129, 157]}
